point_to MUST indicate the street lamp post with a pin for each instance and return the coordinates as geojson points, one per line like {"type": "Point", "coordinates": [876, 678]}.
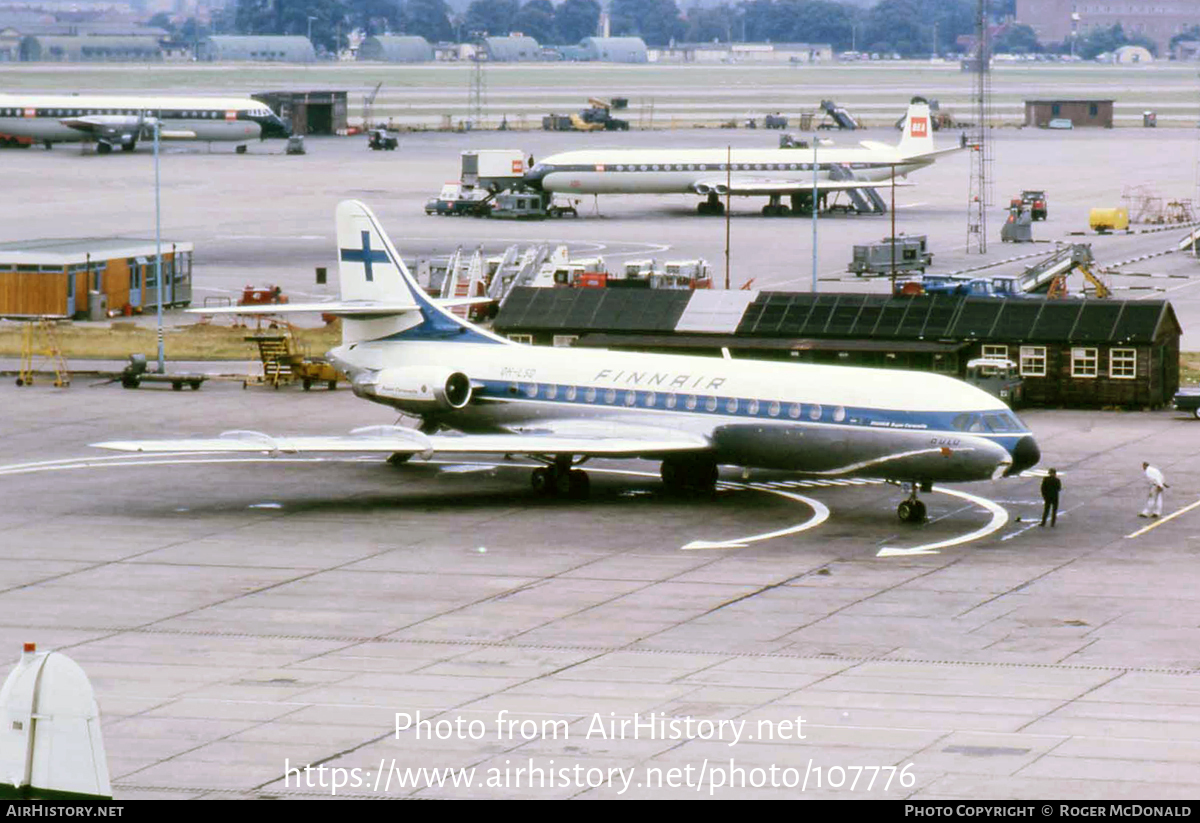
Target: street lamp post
{"type": "Point", "coordinates": [158, 272]}
{"type": "Point", "coordinates": [310, 19]}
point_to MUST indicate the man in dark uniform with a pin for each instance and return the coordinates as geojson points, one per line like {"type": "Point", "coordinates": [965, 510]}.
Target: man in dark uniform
{"type": "Point", "coordinates": [1051, 486]}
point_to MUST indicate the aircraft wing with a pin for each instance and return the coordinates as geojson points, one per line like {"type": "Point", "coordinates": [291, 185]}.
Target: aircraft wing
{"type": "Point", "coordinates": [106, 125]}
{"type": "Point", "coordinates": [761, 185]}
{"type": "Point", "coordinates": [598, 440]}
{"type": "Point", "coordinates": [115, 125]}
{"type": "Point", "coordinates": [338, 308]}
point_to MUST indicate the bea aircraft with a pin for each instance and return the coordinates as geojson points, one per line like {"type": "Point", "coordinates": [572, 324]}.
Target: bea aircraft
{"type": "Point", "coordinates": [773, 173]}
{"type": "Point", "coordinates": [479, 393]}
{"type": "Point", "coordinates": [112, 121]}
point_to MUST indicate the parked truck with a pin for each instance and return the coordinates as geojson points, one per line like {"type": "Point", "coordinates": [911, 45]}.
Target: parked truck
{"type": "Point", "coordinates": [908, 251]}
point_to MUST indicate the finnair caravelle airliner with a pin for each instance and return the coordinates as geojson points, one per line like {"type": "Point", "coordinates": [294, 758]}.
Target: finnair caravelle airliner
{"type": "Point", "coordinates": [478, 393]}
{"type": "Point", "coordinates": [774, 173]}
{"type": "Point", "coordinates": [113, 121]}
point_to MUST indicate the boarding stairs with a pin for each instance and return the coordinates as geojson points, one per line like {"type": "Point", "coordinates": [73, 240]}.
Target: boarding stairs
{"type": "Point", "coordinates": [275, 352]}
{"type": "Point", "coordinates": [865, 200]}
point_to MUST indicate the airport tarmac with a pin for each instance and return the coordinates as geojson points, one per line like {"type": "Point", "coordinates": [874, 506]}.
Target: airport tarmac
{"type": "Point", "coordinates": [241, 616]}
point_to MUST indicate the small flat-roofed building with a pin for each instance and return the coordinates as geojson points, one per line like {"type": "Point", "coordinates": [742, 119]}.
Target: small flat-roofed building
{"type": "Point", "coordinates": [64, 277]}
{"type": "Point", "coordinates": [614, 49]}
{"type": "Point", "coordinates": [391, 48]}
{"type": "Point", "coordinates": [1081, 113]}
{"type": "Point", "coordinates": [309, 112]}
{"type": "Point", "coordinates": [1070, 352]}
{"type": "Point", "coordinates": [261, 48]}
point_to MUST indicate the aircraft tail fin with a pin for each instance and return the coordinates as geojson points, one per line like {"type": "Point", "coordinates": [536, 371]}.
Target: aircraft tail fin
{"type": "Point", "coordinates": [918, 130]}
{"type": "Point", "coordinates": [371, 273]}
{"type": "Point", "coordinates": [378, 296]}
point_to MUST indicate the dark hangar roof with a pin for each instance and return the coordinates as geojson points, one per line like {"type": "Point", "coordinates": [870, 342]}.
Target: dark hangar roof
{"type": "Point", "coordinates": [832, 315]}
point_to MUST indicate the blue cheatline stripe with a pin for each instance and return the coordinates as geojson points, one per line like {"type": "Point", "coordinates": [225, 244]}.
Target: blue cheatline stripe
{"type": "Point", "coordinates": [753, 409]}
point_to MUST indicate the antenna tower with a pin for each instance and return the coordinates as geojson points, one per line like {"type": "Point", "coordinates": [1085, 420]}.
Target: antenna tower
{"type": "Point", "coordinates": [980, 196]}
{"type": "Point", "coordinates": [478, 90]}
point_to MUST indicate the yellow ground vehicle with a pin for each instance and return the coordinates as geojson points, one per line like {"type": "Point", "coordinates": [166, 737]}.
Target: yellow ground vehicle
{"type": "Point", "coordinates": [1102, 221]}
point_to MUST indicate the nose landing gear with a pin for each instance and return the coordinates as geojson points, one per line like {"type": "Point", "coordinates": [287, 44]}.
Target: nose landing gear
{"type": "Point", "coordinates": [912, 510]}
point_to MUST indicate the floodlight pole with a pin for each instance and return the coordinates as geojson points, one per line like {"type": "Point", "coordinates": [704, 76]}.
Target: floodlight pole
{"type": "Point", "coordinates": [815, 206]}
{"type": "Point", "coordinates": [158, 244]}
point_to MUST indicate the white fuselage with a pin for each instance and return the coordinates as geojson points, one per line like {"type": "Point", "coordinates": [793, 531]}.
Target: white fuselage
{"type": "Point", "coordinates": [819, 419]}
{"type": "Point", "coordinates": [692, 171]}
{"type": "Point", "coordinates": [46, 118]}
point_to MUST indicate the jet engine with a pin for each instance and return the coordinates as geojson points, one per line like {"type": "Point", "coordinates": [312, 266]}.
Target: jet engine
{"type": "Point", "coordinates": [421, 389]}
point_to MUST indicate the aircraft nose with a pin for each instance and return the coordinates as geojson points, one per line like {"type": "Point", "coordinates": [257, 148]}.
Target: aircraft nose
{"type": "Point", "coordinates": [1025, 454]}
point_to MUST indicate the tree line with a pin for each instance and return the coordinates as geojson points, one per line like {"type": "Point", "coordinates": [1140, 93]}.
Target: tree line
{"type": "Point", "coordinates": [911, 28]}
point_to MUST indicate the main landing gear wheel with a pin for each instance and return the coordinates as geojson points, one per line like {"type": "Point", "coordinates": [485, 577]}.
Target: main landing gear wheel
{"type": "Point", "coordinates": [912, 510]}
{"type": "Point", "coordinates": [712, 205]}
{"type": "Point", "coordinates": [690, 473]}
{"type": "Point", "coordinates": [556, 481]}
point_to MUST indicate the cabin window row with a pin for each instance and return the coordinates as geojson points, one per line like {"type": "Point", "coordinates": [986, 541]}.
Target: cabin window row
{"type": "Point", "coordinates": [671, 400]}
{"type": "Point", "coordinates": [713, 167]}
{"type": "Point", "coordinates": [166, 115]}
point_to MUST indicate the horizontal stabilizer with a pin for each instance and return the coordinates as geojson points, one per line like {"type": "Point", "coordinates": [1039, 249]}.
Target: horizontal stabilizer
{"type": "Point", "coordinates": [336, 308]}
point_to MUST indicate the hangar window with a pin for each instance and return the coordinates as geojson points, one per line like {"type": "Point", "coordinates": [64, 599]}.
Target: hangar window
{"type": "Point", "coordinates": [1033, 361]}
{"type": "Point", "coordinates": [527, 339]}
{"type": "Point", "coordinates": [1122, 364]}
{"type": "Point", "coordinates": [1083, 362]}
{"type": "Point", "coordinates": [992, 352]}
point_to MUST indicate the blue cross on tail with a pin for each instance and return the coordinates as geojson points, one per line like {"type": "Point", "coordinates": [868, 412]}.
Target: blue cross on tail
{"type": "Point", "coordinates": [366, 255]}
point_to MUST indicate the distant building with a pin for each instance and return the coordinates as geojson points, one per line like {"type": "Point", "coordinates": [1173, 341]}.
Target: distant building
{"type": "Point", "coordinates": [261, 49]}
{"type": "Point", "coordinates": [788, 53]}
{"type": "Point", "coordinates": [512, 49]}
{"type": "Point", "coordinates": [309, 112]}
{"type": "Point", "coordinates": [1131, 55]}
{"type": "Point", "coordinates": [612, 50]}
{"type": "Point", "coordinates": [1081, 113]}
{"type": "Point", "coordinates": [89, 49]}
{"type": "Point", "coordinates": [59, 278]}
{"type": "Point", "coordinates": [390, 48]}
{"type": "Point", "coordinates": [1056, 21]}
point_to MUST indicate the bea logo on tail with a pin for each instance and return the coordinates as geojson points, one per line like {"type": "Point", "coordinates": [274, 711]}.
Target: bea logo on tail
{"type": "Point", "coordinates": [920, 127]}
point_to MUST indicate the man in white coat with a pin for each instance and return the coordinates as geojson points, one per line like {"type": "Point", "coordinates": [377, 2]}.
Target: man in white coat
{"type": "Point", "coordinates": [1154, 502]}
